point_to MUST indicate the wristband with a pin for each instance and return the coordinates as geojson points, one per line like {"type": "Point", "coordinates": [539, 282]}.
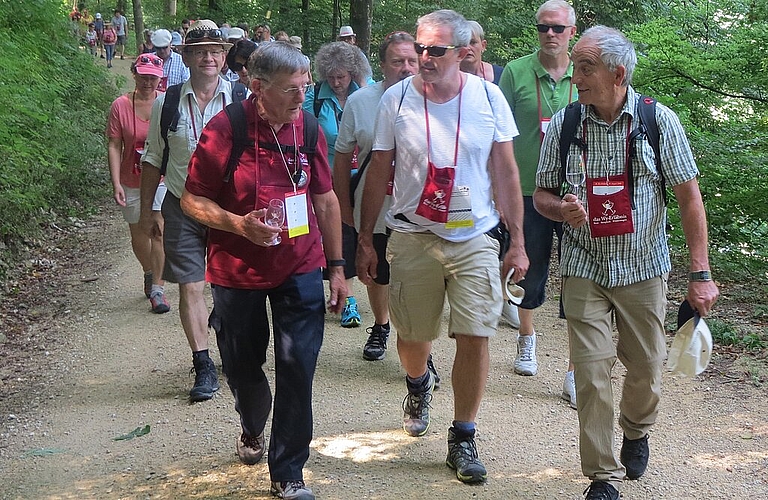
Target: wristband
{"type": "Point", "coordinates": [336, 263]}
{"type": "Point", "coordinates": [700, 276]}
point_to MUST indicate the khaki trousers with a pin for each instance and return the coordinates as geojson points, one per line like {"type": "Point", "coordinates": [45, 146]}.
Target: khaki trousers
{"type": "Point", "coordinates": [639, 310]}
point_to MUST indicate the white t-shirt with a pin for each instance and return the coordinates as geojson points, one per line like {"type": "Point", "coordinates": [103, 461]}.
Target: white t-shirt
{"type": "Point", "coordinates": [485, 119]}
{"type": "Point", "coordinates": [356, 129]}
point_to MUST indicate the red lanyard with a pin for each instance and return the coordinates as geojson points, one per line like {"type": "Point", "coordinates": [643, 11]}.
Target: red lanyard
{"type": "Point", "coordinates": [192, 113]}
{"type": "Point", "coordinates": [458, 122]}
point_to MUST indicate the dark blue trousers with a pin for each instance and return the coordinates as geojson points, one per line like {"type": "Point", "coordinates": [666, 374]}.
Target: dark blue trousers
{"type": "Point", "coordinates": [239, 318]}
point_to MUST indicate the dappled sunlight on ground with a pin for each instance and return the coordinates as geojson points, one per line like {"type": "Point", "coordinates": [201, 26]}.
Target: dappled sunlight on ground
{"type": "Point", "coordinates": [362, 447]}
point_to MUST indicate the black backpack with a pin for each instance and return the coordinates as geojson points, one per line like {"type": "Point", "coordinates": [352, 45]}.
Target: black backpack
{"type": "Point", "coordinates": [236, 114]}
{"type": "Point", "coordinates": [169, 115]}
{"type": "Point", "coordinates": [646, 112]}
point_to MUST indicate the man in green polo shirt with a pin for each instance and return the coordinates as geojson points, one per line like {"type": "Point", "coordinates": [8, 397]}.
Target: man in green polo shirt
{"type": "Point", "coordinates": [536, 86]}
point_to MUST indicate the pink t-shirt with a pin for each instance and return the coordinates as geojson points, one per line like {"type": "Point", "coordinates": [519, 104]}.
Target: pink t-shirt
{"type": "Point", "coordinates": [124, 124]}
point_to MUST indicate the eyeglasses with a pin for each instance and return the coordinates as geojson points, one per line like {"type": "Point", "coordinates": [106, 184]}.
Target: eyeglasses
{"type": "Point", "coordinates": [213, 34]}
{"type": "Point", "coordinates": [557, 28]}
{"type": "Point", "coordinates": [293, 90]}
{"type": "Point", "coordinates": [200, 53]}
{"type": "Point", "coordinates": [432, 50]}
{"type": "Point", "coordinates": [151, 60]}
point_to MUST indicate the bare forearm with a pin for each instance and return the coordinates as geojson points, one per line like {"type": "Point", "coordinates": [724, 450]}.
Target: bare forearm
{"type": "Point", "coordinates": [548, 204]}
{"type": "Point", "coordinates": [114, 159]}
{"type": "Point", "coordinates": [329, 220]}
{"type": "Point", "coordinates": [150, 179]}
{"type": "Point", "coordinates": [342, 163]}
{"type": "Point", "coordinates": [694, 221]}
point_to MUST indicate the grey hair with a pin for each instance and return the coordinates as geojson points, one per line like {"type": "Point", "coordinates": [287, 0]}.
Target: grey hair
{"type": "Point", "coordinates": [335, 56]}
{"type": "Point", "coordinates": [462, 33]}
{"type": "Point", "coordinates": [272, 58]}
{"type": "Point", "coordinates": [477, 30]}
{"type": "Point", "coordinates": [557, 5]}
{"type": "Point", "coordinates": [615, 50]}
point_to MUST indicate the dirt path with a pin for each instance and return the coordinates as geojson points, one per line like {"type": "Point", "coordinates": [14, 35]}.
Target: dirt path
{"type": "Point", "coordinates": [93, 363]}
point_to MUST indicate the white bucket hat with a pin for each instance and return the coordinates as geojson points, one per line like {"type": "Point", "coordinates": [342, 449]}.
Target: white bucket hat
{"type": "Point", "coordinates": [692, 348]}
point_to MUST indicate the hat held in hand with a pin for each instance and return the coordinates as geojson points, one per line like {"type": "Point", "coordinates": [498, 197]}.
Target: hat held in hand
{"type": "Point", "coordinates": [692, 347]}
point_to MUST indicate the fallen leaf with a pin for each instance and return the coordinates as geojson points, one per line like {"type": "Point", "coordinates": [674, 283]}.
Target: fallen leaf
{"type": "Point", "coordinates": [137, 432]}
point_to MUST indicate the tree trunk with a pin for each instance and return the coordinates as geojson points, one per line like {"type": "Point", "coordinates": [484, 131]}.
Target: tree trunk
{"type": "Point", "coordinates": [360, 18]}
{"type": "Point", "coordinates": [170, 7]}
{"type": "Point", "coordinates": [138, 24]}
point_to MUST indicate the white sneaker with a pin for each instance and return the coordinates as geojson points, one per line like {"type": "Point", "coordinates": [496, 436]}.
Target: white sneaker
{"type": "Point", "coordinates": [509, 314]}
{"type": "Point", "coordinates": [569, 389]}
{"type": "Point", "coordinates": [525, 362]}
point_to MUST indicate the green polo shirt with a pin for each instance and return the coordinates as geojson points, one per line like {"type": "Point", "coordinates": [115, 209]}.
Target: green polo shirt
{"type": "Point", "coordinates": [518, 83]}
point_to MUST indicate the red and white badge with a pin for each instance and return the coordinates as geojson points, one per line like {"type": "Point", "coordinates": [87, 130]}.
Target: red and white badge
{"type": "Point", "coordinates": [608, 206]}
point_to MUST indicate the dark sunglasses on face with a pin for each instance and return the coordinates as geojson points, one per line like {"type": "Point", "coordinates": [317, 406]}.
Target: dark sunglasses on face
{"type": "Point", "coordinates": [432, 50]}
{"type": "Point", "coordinates": [200, 34]}
{"type": "Point", "coordinates": [557, 28]}
{"type": "Point", "coordinates": [146, 59]}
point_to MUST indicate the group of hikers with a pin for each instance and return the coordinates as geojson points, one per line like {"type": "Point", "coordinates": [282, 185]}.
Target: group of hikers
{"type": "Point", "coordinates": [447, 178]}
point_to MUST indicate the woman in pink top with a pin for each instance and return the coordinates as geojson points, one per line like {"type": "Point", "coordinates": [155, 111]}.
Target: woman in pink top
{"type": "Point", "coordinates": [127, 129]}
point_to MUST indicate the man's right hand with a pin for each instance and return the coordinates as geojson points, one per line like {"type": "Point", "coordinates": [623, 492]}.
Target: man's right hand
{"type": "Point", "coordinates": [366, 262]}
{"type": "Point", "coordinates": [150, 223]}
{"type": "Point", "coordinates": [572, 211]}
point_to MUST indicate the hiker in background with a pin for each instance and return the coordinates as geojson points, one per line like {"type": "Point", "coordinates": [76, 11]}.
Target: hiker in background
{"type": "Point", "coordinates": [615, 259]}
{"type": "Point", "coordinates": [109, 39]}
{"type": "Point", "coordinates": [199, 99]}
{"type": "Point", "coordinates": [250, 261]}
{"type": "Point", "coordinates": [263, 33]}
{"type": "Point", "coordinates": [98, 23]}
{"type": "Point", "coordinates": [147, 46]}
{"type": "Point", "coordinates": [91, 39]}
{"type": "Point", "coordinates": [174, 69]}
{"type": "Point", "coordinates": [341, 70]}
{"type": "Point", "coordinates": [120, 25]}
{"type": "Point", "coordinates": [536, 86]}
{"type": "Point", "coordinates": [474, 63]}
{"type": "Point", "coordinates": [237, 59]}
{"type": "Point", "coordinates": [127, 130]}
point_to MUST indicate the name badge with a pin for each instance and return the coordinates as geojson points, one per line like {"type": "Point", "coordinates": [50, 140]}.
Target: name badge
{"type": "Point", "coordinates": [297, 214]}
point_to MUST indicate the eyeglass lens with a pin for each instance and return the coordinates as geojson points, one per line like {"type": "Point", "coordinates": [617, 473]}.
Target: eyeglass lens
{"type": "Point", "coordinates": [432, 50]}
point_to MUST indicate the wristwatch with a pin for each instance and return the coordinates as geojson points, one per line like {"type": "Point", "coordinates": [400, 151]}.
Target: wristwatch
{"type": "Point", "coordinates": [700, 276]}
{"type": "Point", "coordinates": [336, 263]}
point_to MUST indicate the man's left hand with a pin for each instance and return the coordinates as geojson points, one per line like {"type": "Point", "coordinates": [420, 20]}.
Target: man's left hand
{"type": "Point", "coordinates": [516, 259]}
{"type": "Point", "coordinates": [337, 285]}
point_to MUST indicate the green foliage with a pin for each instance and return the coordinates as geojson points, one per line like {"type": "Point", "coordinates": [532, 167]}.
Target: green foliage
{"type": "Point", "coordinates": [726, 334]}
{"type": "Point", "coordinates": [52, 120]}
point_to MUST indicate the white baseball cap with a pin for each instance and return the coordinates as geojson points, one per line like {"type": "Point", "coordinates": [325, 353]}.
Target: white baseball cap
{"type": "Point", "coordinates": [235, 33]}
{"type": "Point", "coordinates": [692, 348]}
{"type": "Point", "coordinates": [161, 38]}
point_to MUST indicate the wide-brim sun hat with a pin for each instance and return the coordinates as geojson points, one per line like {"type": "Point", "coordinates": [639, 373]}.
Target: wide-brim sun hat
{"type": "Point", "coordinates": [692, 347]}
{"type": "Point", "coordinates": [205, 32]}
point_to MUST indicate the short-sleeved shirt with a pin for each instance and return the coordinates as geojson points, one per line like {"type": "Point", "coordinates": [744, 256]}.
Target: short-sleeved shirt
{"type": "Point", "coordinates": [120, 23]}
{"type": "Point", "coordinates": [356, 129]}
{"type": "Point", "coordinates": [519, 82]}
{"type": "Point", "coordinates": [183, 141]}
{"type": "Point", "coordinates": [330, 113]}
{"type": "Point", "coordinates": [622, 260]}
{"type": "Point", "coordinates": [132, 130]}
{"type": "Point", "coordinates": [485, 119]}
{"type": "Point", "coordinates": [233, 261]}
{"type": "Point", "coordinates": [175, 70]}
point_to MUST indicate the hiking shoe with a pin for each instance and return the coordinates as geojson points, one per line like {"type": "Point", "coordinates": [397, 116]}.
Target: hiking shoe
{"type": "Point", "coordinates": [462, 457]}
{"type": "Point", "coordinates": [206, 381]}
{"type": "Point", "coordinates": [250, 449]}
{"type": "Point", "coordinates": [148, 284]}
{"type": "Point", "coordinates": [159, 303]}
{"type": "Point", "coordinates": [525, 362]}
{"type": "Point", "coordinates": [416, 409]}
{"type": "Point", "coordinates": [634, 456]}
{"type": "Point", "coordinates": [350, 318]}
{"type": "Point", "coordinates": [431, 367]}
{"type": "Point", "coordinates": [600, 490]}
{"type": "Point", "coordinates": [569, 389]}
{"type": "Point", "coordinates": [376, 345]}
{"type": "Point", "coordinates": [509, 314]}
{"type": "Point", "coordinates": [294, 490]}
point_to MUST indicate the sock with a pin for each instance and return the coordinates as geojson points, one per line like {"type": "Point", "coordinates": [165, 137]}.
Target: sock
{"type": "Point", "coordinates": [157, 289]}
{"type": "Point", "coordinates": [463, 429]}
{"type": "Point", "coordinates": [418, 384]}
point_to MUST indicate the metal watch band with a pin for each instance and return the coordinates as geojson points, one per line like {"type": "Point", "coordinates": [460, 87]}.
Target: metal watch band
{"type": "Point", "coordinates": [700, 276]}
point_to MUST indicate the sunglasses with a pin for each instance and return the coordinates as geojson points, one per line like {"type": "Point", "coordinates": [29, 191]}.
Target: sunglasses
{"type": "Point", "coordinates": [432, 50]}
{"type": "Point", "coordinates": [557, 28]}
{"type": "Point", "coordinates": [213, 34]}
{"type": "Point", "coordinates": [151, 60]}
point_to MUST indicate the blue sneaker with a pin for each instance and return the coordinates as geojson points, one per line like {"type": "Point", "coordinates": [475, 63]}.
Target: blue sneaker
{"type": "Point", "coordinates": [350, 318]}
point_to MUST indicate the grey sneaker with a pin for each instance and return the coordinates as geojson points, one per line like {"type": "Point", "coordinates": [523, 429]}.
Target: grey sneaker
{"type": "Point", "coordinates": [250, 449]}
{"type": "Point", "coordinates": [376, 346]}
{"type": "Point", "coordinates": [206, 380]}
{"type": "Point", "coordinates": [416, 410]}
{"type": "Point", "coordinates": [462, 457]}
{"type": "Point", "coordinates": [291, 490]}
{"type": "Point", "coordinates": [525, 362]}
{"type": "Point", "coordinates": [569, 389]}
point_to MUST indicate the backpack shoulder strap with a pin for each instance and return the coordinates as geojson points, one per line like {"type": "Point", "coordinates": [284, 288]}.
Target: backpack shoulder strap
{"type": "Point", "coordinates": [646, 110]}
{"type": "Point", "coordinates": [571, 121]}
{"type": "Point", "coordinates": [169, 120]}
{"type": "Point", "coordinates": [317, 103]}
{"type": "Point", "coordinates": [238, 92]}
{"type": "Point", "coordinates": [310, 134]}
{"type": "Point", "coordinates": [236, 114]}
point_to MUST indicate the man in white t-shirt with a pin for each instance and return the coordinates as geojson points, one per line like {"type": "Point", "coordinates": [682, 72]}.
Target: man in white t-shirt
{"type": "Point", "coordinates": [455, 175]}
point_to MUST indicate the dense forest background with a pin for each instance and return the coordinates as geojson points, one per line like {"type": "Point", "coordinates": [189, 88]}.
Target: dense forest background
{"type": "Point", "coordinates": [707, 60]}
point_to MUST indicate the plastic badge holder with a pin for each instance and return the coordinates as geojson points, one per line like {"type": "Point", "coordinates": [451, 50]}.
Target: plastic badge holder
{"type": "Point", "coordinates": [514, 292]}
